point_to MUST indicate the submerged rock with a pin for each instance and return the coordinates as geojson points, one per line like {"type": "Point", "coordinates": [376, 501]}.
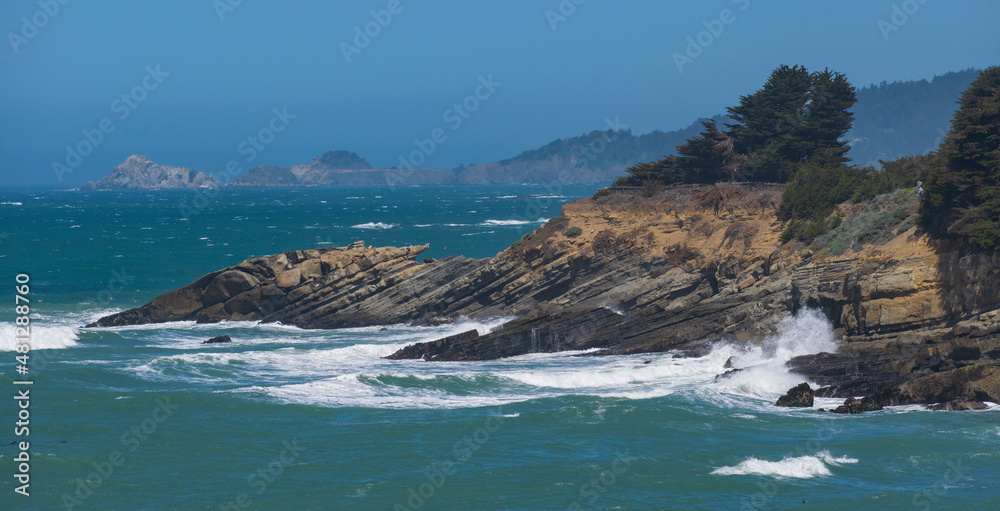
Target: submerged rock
{"type": "Point", "coordinates": [221, 338]}
{"type": "Point", "coordinates": [959, 405]}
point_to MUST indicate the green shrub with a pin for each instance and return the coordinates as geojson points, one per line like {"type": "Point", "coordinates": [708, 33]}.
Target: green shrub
{"type": "Point", "coordinates": [816, 189]}
{"type": "Point", "coordinates": [573, 232]}
{"type": "Point", "coordinates": [882, 219]}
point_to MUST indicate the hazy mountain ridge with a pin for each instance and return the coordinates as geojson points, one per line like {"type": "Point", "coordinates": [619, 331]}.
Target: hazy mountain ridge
{"type": "Point", "coordinates": [904, 118]}
{"type": "Point", "coordinates": [891, 120]}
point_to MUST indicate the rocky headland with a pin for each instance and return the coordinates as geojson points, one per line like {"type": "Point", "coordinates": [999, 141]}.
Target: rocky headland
{"type": "Point", "coordinates": [670, 270]}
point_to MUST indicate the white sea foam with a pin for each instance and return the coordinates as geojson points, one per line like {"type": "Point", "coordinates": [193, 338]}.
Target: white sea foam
{"type": "Point", "coordinates": [506, 223]}
{"type": "Point", "coordinates": [11, 203]}
{"type": "Point", "coordinates": [42, 337]}
{"type": "Point", "coordinates": [801, 467]}
{"type": "Point", "coordinates": [374, 225]}
{"type": "Point", "coordinates": [338, 368]}
{"type": "Point", "coordinates": [763, 373]}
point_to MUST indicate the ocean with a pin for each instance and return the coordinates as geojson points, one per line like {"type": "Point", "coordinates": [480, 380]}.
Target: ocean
{"type": "Point", "coordinates": [148, 418]}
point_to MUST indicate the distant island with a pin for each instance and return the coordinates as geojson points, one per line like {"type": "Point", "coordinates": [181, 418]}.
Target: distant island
{"type": "Point", "coordinates": [891, 120]}
{"type": "Point", "coordinates": [139, 173]}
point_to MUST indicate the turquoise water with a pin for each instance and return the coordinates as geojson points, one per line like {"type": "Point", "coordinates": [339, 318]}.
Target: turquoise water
{"type": "Point", "coordinates": [287, 419]}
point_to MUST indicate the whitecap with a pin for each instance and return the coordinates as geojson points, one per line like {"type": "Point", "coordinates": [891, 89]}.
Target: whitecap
{"type": "Point", "coordinates": [801, 467]}
{"type": "Point", "coordinates": [491, 222]}
{"type": "Point", "coordinates": [374, 225]}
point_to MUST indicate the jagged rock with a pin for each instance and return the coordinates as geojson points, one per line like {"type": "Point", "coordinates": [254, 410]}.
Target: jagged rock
{"type": "Point", "coordinates": [424, 351]}
{"type": "Point", "coordinates": [799, 396]}
{"type": "Point", "coordinates": [254, 290]}
{"type": "Point", "coordinates": [852, 405]}
{"type": "Point", "coordinates": [221, 338]}
{"type": "Point", "coordinates": [727, 374]}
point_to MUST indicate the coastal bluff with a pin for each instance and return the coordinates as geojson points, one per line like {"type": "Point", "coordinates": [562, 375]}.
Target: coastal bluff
{"type": "Point", "coordinates": [677, 270]}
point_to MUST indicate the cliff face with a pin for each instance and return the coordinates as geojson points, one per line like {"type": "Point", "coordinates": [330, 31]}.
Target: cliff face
{"type": "Point", "coordinates": [139, 173]}
{"type": "Point", "coordinates": [629, 274]}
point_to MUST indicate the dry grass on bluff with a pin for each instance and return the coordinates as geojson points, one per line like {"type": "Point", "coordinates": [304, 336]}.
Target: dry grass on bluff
{"type": "Point", "coordinates": [690, 225]}
{"type": "Point", "coordinates": [716, 226]}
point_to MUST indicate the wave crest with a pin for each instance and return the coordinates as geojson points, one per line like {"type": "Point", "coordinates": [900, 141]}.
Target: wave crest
{"type": "Point", "coordinates": [801, 467]}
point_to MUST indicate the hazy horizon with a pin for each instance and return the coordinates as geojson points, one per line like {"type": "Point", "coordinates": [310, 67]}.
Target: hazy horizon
{"type": "Point", "coordinates": [199, 78]}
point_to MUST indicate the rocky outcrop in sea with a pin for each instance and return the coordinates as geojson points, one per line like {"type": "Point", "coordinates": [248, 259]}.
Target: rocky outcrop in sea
{"type": "Point", "coordinates": [139, 173]}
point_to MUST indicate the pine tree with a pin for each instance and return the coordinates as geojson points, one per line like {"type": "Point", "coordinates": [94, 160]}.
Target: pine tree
{"type": "Point", "coordinates": [703, 156]}
{"type": "Point", "coordinates": [828, 118]}
{"type": "Point", "coordinates": [963, 195]}
{"type": "Point", "coordinates": [768, 124]}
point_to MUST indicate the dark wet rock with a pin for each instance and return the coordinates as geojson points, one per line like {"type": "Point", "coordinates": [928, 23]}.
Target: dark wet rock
{"type": "Point", "coordinates": [221, 338]}
{"type": "Point", "coordinates": [434, 349]}
{"type": "Point", "coordinates": [429, 260]}
{"type": "Point", "coordinates": [728, 364]}
{"type": "Point", "coordinates": [799, 396]}
{"type": "Point", "coordinates": [727, 374]}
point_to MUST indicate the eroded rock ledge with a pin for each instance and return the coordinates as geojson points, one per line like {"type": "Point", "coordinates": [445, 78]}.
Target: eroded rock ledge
{"type": "Point", "coordinates": [317, 288]}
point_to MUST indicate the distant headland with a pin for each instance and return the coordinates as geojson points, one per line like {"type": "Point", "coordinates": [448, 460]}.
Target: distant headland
{"type": "Point", "coordinates": [890, 121]}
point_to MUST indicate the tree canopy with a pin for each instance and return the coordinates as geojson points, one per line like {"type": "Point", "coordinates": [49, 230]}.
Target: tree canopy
{"type": "Point", "coordinates": [797, 116]}
{"type": "Point", "coordinates": [963, 192]}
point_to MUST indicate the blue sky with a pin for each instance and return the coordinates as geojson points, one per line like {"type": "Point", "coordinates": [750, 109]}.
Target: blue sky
{"type": "Point", "coordinates": [200, 77]}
